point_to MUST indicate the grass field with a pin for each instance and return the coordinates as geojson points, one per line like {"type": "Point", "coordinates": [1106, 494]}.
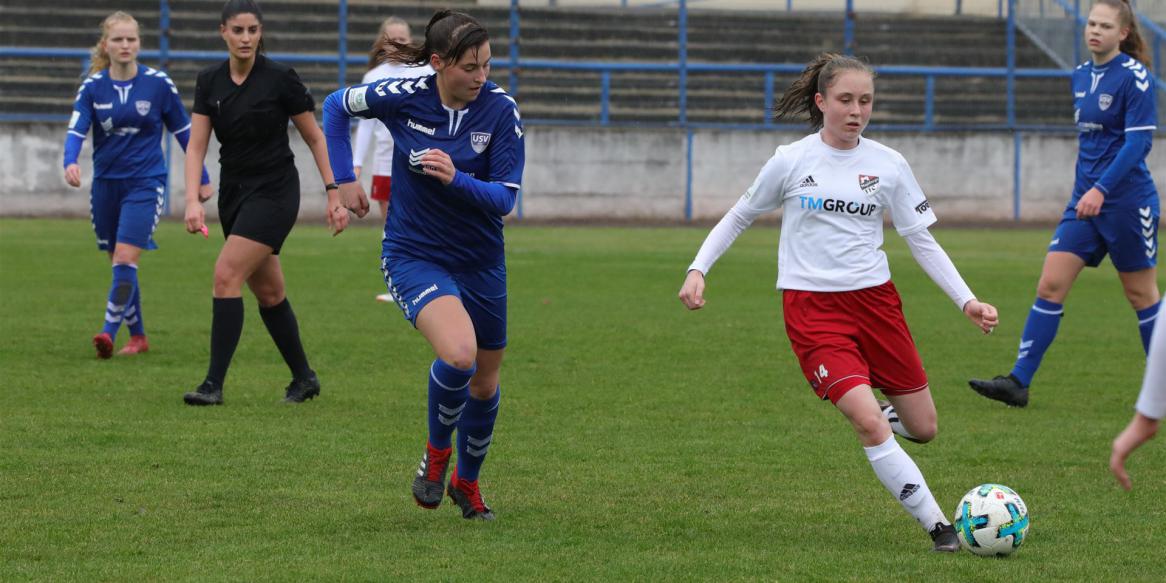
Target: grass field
{"type": "Point", "coordinates": [636, 441]}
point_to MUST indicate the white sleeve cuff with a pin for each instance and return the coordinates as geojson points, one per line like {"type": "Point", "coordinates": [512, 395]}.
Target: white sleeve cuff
{"type": "Point", "coordinates": [938, 266]}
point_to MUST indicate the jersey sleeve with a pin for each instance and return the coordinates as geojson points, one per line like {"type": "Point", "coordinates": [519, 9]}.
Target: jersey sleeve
{"type": "Point", "coordinates": [79, 123]}
{"type": "Point", "coordinates": [1141, 112]}
{"type": "Point", "coordinates": [910, 210]}
{"type": "Point", "coordinates": [508, 152]}
{"type": "Point", "coordinates": [173, 112]}
{"type": "Point", "coordinates": [768, 190]}
{"type": "Point", "coordinates": [295, 96]}
{"type": "Point", "coordinates": [202, 86]}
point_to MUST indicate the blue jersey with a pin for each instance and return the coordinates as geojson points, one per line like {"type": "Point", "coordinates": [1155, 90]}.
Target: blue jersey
{"type": "Point", "coordinates": [127, 119]}
{"type": "Point", "coordinates": [458, 226]}
{"type": "Point", "coordinates": [1114, 107]}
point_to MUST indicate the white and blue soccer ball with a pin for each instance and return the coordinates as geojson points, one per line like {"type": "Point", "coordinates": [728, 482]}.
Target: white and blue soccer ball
{"type": "Point", "coordinates": [991, 520]}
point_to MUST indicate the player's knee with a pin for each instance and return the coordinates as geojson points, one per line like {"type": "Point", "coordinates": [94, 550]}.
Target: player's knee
{"type": "Point", "coordinates": [1052, 290]}
{"type": "Point", "coordinates": [461, 355]}
{"type": "Point", "coordinates": [228, 281]}
{"type": "Point", "coordinates": [926, 433]}
{"type": "Point", "coordinates": [872, 428]}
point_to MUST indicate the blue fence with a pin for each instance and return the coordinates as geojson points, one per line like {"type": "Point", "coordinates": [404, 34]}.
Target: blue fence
{"type": "Point", "coordinates": [1051, 20]}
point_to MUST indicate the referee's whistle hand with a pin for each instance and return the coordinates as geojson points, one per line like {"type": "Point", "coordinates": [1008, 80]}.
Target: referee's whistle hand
{"type": "Point", "coordinates": [195, 217]}
{"type": "Point", "coordinates": [692, 292]}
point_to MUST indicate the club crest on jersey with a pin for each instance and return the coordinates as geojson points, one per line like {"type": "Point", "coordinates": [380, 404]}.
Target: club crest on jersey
{"type": "Point", "coordinates": [868, 184]}
{"type": "Point", "coordinates": [479, 141]}
{"type": "Point", "coordinates": [1104, 101]}
{"type": "Point", "coordinates": [143, 107]}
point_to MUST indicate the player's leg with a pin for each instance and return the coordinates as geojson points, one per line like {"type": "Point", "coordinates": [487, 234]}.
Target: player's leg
{"type": "Point", "coordinates": [1132, 237]}
{"type": "Point", "coordinates": [1075, 245]}
{"type": "Point", "coordinates": [267, 283]}
{"type": "Point", "coordinates": [140, 211]}
{"type": "Point", "coordinates": [443, 322]}
{"type": "Point", "coordinates": [912, 415]}
{"type": "Point", "coordinates": [104, 210]}
{"type": "Point", "coordinates": [484, 298]}
{"type": "Point", "coordinates": [238, 259]}
{"type": "Point", "coordinates": [894, 468]}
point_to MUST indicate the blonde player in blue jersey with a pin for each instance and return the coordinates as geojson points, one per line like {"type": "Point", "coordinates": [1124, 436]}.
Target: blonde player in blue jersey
{"type": "Point", "coordinates": [1114, 209]}
{"type": "Point", "coordinates": [128, 105]}
{"type": "Point", "coordinates": [457, 170]}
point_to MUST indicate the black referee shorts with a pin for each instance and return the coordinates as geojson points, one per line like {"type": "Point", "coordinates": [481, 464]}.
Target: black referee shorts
{"type": "Point", "coordinates": [260, 208]}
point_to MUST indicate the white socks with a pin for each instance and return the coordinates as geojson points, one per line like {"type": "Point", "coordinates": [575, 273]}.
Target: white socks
{"type": "Point", "coordinates": [902, 478]}
{"type": "Point", "coordinates": [896, 424]}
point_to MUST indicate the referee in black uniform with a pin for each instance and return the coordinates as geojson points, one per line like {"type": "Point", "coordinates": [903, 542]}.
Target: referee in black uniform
{"type": "Point", "coordinates": [248, 100]}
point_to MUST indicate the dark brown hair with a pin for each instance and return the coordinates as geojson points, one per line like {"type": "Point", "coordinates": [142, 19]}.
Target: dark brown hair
{"type": "Point", "coordinates": [817, 77]}
{"type": "Point", "coordinates": [448, 35]}
{"type": "Point", "coordinates": [1134, 45]}
{"type": "Point", "coordinates": [234, 8]}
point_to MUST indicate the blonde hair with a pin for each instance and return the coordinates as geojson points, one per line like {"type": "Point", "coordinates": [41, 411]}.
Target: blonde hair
{"type": "Point", "coordinates": [381, 46]}
{"type": "Point", "coordinates": [98, 57]}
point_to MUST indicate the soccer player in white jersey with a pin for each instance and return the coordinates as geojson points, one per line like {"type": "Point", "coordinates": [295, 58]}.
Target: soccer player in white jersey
{"type": "Point", "coordinates": [1149, 410]}
{"type": "Point", "coordinates": [842, 313]}
{"type": "Point", "coordinates": [1114, 208]}
{"type": "Point", "coordinates": [393, 30]}
{"type": "Point", "coordinates": [458, 167]}
{"type": "Point", "coordinates": [128, 105]}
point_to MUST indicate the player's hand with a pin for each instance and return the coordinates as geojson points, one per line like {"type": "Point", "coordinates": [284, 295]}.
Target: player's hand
{"type": "Point", "coordinates": [352, 198]}
{"type": "Point", "coordinates": [982, 315]}
{"type": "Point", "coordinates": [692, 292]}
{"type": "Point", "coordinates": [337, 215]}
{"type": "Point", "coordinates": [195, 217]}
{"type": "Point", "coordinates": [1089, 205]}
{"type": "Point", "coordinates": [205, 192]}
{"type": "Point", "coordinates": [73, 175]}
{"type": "Point", "coordinates": [1139, 431]}
{"type": "Point", "coordinates": [438, 164]}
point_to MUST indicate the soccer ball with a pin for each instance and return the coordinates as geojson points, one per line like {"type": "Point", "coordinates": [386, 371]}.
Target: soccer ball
{"type": "Point", "coordinates": [991, 520]}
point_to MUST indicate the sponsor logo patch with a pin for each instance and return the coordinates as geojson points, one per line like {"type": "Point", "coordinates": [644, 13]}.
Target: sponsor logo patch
{"type": "Point", "coordinates": [868, 184]}
{"type": "Point", "coordinates": [923, 206]}
{"type": "Point", "coordinates": [808, 182]}
{"type": "Point", "coordinates": [426, 130]}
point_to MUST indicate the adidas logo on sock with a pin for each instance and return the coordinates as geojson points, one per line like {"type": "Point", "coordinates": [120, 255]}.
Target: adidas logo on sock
{"type": "Point", "coordinates": [808, 182]}
{"type": "Point", "coordinates": [908, 491]}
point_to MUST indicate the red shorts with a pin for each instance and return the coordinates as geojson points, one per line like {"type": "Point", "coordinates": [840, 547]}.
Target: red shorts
{"type": "Point", "coordinates": [380, 187]}
{"type": "Point", "coordinates": [846, 339]}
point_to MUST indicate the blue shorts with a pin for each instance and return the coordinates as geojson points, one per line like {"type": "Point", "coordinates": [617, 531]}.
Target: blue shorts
{"type": "Point", "coordinates": [126, 210]}
{"type": "Point", "coordinates": [414, 283]}
{"type": "Point", "coordinates": [1129, 236]}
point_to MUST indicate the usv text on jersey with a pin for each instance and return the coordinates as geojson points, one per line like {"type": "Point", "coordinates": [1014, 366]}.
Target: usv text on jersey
{"type": "Point", "coordinates": [837, 206]}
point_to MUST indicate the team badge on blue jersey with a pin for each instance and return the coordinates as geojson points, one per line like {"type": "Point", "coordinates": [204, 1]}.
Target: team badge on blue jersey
{"type": "Point", "coordinates": [143, 107]}
{"type": "Point", "coordinates": [479, 141]}
{"type": "Point", "coordinates": [1104, 101]}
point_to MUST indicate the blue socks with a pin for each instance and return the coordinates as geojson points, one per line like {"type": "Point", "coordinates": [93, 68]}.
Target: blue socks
{"type": "Point", "coordinates": [133, 315]}
{"type": "Point", "coordinates": [449, 388]}
{"type": "Point", "coordinates": [475, 431]}
{"type": "Point", "coordinates": [121, 296]}
{"type": "Point", "coordinates": [1146, 318]}
{"type": "Point", "coordinates": [1039, 331]}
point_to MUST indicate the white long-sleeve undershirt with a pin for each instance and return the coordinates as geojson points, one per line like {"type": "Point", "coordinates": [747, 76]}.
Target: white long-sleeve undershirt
{"type": "Point", "coordinates": [938, 266]}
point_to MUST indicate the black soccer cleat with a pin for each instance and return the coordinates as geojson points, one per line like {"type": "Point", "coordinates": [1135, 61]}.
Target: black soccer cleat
{"type": "Point", "coordinates": [207, 393]}
{"type": "Point", "coordinates": [469, 498]}
{"type": "Point", "coordinates": [301, 390]}
{"type": "Point", "coordinates": [429, 484]}
{"type": "Point", "coordinates": [945, 539]}
{"type": "Point", "coordinates": [1006, 389]}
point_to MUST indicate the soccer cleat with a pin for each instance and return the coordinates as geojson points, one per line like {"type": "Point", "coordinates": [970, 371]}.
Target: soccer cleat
{"type": "Point", "coordinates": [386, 298]}
{"type": "Point", "coordinates": [301, 390]}
{"type": "Point", "coordinates": [104, 345]}
{"type": "Point", "coordinates": [429, 485]}
{"type": "Point", "coordinates": [467, 496]}
{"type": "Point", "coordinates": [1006, 389]}
{"type": "Point", "coordinates": [136, 345]}
{"type": "Point", "coordinates": [207, 393]}
{"type": "Point", "coordinates": [944, 537]}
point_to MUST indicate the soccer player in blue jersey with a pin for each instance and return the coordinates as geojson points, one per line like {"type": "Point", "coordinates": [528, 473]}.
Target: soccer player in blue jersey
{"type": "Point", "coordinates": [128, 105]}
{"type": "Point", "coordinates": [457, 170]}
{"type": "Point", "coordinates": [1114, 209]}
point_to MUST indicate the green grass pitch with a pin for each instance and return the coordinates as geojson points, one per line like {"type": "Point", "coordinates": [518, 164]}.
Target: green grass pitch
{"type": "Point", "coordinates": [636, 441]}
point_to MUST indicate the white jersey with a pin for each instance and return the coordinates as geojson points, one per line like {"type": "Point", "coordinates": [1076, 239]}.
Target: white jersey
{"type": "Point", "coordinates": [833, 204]}
{"type": "Point", "coordinates": [369, 129]}
{"type": "Point", "coordinates": [1152, 398]}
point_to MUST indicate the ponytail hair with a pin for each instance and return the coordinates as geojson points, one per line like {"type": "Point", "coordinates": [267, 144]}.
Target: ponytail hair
{"type": "Point", "coordinates": [448, 35]}
{"type": "Point", "coordinates": [816, 78]}
{"type": "Point", "coordinates": [1134, 45]}
{"type": "Point", "coordinates": [382, 45]}
{"type": "Point", "coordinates": [234, 8]}
{"type": "Point", "coordinates": [98, 57]}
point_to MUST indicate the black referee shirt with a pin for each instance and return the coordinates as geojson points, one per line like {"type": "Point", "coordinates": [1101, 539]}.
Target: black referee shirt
{"type": "Point", "coordinates": [250, 120]}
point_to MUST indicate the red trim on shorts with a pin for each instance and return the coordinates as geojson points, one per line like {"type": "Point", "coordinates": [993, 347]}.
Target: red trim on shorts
{"type": "Point", "coordinates": [382, 187]}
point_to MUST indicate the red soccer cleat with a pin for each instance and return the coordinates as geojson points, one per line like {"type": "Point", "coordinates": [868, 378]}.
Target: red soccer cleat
{"type": "Point", "coordinates": [104, 345]}
{"type": "Point", "coordinates": [430, 480]}
{"type": "Point", "coordinates": [467, 496]}
{"type": "Point", "coordinates": [136, 345]}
